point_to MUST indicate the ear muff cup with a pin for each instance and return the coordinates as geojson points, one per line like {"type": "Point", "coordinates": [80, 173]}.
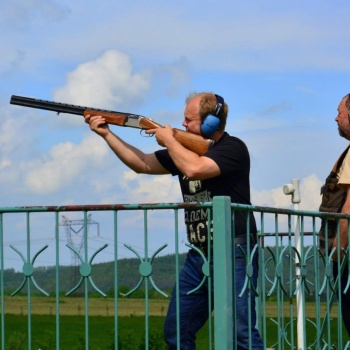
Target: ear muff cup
{"type": "Point", "coordinates": [211, 122]}
{"type": "Point", "coordinates": [209, 125]}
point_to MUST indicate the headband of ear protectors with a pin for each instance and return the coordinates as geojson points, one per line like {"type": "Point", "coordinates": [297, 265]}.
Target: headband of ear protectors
{"type": "Point", "coordinates": [211, 122]}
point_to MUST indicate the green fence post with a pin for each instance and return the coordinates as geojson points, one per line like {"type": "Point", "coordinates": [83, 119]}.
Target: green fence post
{"type": "Point", "coordinates": [222, 243]}
{"type": "Point", "coordinates": [2, 288]}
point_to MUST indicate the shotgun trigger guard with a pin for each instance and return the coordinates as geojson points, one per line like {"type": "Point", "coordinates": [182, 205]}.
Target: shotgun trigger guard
{"type": "Point", "coordinates": [143, 133]}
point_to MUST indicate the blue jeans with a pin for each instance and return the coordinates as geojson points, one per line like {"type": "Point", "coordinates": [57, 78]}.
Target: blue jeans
{"type": "Point", "coordinates": [345, 298]}
{"type": "Point", "coordinates": [194, 307]}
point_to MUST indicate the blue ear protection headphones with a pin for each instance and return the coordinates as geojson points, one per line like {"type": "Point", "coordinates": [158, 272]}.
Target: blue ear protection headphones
{"type": "Point", "coordinates": [211, 122]}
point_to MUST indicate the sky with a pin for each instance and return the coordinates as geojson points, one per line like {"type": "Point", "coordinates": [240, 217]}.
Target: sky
{"type": "Point", "coordinates": [282, 68]}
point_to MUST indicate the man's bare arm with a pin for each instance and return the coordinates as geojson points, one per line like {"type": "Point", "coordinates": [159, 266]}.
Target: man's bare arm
{"type": "Point", "coordinates": [343, 228]}
{"type": "Point", "coordinates": [132, 157]}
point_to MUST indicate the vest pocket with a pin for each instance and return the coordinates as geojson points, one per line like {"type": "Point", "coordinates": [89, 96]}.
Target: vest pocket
{"type": "Point", "coordinates": [333, 197]}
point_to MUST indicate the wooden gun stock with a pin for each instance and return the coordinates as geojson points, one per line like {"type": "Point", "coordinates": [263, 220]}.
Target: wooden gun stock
{"type": "Point", "coordinates": [193, 142]}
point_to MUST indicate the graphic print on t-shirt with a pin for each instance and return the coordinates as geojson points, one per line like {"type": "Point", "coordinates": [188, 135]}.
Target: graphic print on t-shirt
{"type": "Point", "coordinates": [196, 220]}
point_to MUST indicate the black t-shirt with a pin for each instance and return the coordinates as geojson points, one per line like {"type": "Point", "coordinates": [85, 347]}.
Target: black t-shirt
{"type": "Point", "coordinates": [232, 157]}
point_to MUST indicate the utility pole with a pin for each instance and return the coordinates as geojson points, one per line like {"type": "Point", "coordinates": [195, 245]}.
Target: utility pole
{"type": "Point", "coordinates": [293, 190]}
{"type": "Point", "coordinates": [75, 237]}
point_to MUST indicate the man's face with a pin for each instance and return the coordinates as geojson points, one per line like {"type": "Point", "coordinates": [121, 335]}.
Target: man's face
{"type": "Point", "coordinates": [192, 121]}
{"type": "Point", "coordinates": [343, 119]}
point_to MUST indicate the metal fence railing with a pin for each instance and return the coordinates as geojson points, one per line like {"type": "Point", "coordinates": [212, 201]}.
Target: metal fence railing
{"type": "Point", "coordinates": [83, 250]}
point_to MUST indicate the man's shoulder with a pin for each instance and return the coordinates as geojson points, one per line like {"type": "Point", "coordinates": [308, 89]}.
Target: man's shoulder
{"type": "Point", "coordinates": [228, 140]}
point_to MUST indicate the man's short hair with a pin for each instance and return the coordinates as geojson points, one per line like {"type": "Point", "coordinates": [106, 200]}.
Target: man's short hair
{"type": "Point", "coordinates": [207, 106]}
{"type": "Point", "coordinates": [347, 103]}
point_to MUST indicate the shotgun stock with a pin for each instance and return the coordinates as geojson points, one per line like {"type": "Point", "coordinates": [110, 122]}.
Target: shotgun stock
{"type": "Point", "coordinates": [193, 142]}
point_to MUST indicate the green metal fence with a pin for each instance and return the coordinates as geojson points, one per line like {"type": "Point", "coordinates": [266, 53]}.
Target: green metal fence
{"type": "Point", "coordinates": [297, 298]}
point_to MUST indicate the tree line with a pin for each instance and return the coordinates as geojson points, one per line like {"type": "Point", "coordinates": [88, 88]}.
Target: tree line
{"type": "Point", "coordinates": [128, 274]}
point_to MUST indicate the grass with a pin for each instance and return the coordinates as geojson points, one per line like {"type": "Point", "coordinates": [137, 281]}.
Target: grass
{"type": "Point", "coordinates": [75, 306]}
{"type": "Point", "coordinates": [131, 331]}
{"type": "Point", "coordinates": [71, 306]}
{"type": "Point", "coordinates": [131, 323]}
{"type": "Point", "coordinates": [72, 331]}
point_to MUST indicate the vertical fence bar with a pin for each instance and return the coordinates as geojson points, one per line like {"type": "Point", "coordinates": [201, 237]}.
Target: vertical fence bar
{"type": "Point", "coordinates": [116, 294]}
{"type": "Point", "coordinates": [57, 242]}
{"type": "Point", "coordinates": [250, 291]}
{"type": "Point", "coordinates": [2, 289]}
{"type": "Point", "coordinates": [299, 285]}
{"type": "Point", "coordinates": [223, 269]}
{"type": "Point", "coordinates": [177, 272]}
{"type": "Point", "coordinates": [293, 261]}
{"type": "Point", "coordinates": [28, 286]}
{"type": "Point", "coordinates": [338, 287]}
{"type": "Point", "coordinates": [210, 281]}
{"type": "Point", "coordinates": [86, 258]}
{"type": "Point", "coordinates": [317, 266]}
{"type": "Point", "coordinates": [261, 304]}
{"type": "Point", "coordinates": [145, 225]}
{"type": "Point", "coordinates": [301, 324]}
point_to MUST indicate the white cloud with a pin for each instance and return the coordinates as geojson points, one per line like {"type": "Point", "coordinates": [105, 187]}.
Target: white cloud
{"type": "Point", "coordinates": [150, 189]}
{"type": "Point", "coordinates": [275, 198]}
{"type": "Point", "coordinates": [248, 37]}
{"type": "Point", "coordinates": [310, 188]}
{"type": "Point", "coordinates": [104, 83]}
{"type": "Point", "coordinates": [63, 164]}
{"type": "Point", "coordinates": [17, 138]}
{"type": "Point", "coordinates": [244, 37]}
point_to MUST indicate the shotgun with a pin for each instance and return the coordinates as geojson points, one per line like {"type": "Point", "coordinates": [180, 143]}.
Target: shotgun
{"type": "Point", "coordinates": [193, 142]}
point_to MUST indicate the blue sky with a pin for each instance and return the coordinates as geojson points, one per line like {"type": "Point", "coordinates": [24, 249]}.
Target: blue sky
{"type": "Point", "coordinates": [282, 67]}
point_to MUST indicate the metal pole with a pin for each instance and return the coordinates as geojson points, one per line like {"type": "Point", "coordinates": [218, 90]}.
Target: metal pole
{"type": "Point", "coordinates": [293, 190]}
{"type": "Point", "coordinates": [224, 300]}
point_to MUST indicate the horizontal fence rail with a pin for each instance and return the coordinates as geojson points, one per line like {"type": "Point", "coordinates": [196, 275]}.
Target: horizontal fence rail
{"type": "Point", "coordinates": [71, 262]}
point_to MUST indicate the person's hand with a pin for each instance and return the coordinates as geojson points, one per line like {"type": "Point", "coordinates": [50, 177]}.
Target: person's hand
{"type": "Point", "coordinates": [162, 135]}
{"type": "Point", "coordinates": [97, 124]}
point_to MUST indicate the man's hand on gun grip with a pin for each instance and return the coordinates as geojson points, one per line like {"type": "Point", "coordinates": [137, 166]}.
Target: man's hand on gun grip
{"type": "Point", "coordinates": [162, 135]}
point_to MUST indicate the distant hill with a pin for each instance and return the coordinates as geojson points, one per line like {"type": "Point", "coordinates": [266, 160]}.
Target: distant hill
{"type": "Point", "coordinates": [163, 275]}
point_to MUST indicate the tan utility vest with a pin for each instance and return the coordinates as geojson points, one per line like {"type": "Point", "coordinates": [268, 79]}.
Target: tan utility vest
{"type": "Point", "coordinates": [333, 199]}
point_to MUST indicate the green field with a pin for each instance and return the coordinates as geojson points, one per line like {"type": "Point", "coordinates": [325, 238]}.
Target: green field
{"type": "Point", "coordinates": [131, 333]}
{"type": "Point", "coordinates": [73, 306]}
{"type": "Point", "coordinates": [131, 324]}
{"type": "Point", "coordinates": [72, 332]}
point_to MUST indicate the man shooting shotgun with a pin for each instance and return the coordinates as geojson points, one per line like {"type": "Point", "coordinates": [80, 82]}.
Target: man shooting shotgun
{"type": "Point", "coordinates": [194, 142]}
{"type": "Point", "coordinates": [221, 170]}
